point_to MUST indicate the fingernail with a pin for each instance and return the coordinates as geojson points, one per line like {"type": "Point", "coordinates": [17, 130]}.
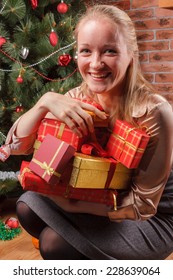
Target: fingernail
{"type": "Point", "coordinates": [104, 117]}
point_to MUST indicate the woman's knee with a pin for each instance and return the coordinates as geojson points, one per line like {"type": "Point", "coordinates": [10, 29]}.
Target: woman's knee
{"type": "Point", "coordinates": [55, 247]}
{"type": "Point", "coordinates": [22, 210]}
{"type": "Point", "coordinates": [29, 219]}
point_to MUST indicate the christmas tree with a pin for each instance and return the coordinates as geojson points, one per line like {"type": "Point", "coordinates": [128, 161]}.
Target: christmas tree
{"type": "Point", "coordinates": [37, 54]}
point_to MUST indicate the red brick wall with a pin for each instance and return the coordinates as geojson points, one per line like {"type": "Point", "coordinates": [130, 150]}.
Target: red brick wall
{"type": "Point", "coordinates": [154, 27]}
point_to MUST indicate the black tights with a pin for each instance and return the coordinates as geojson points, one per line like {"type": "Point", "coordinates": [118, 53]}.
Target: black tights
{"type": "Point", "coordinates": [52, 246]}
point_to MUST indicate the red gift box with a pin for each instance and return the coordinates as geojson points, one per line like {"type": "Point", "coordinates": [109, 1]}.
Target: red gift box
{"type": "Point", "coordinates": [59, 130]}
{"type": "Point", "coordinates": [33, 182]}
{"type": "Point", "coordinates": [51, 158]}
{"type": "Point", "coordinates": [127, 144]}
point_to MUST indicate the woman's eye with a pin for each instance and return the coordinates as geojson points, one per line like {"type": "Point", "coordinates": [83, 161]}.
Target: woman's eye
{"type": "Point", "coordinates": [110, 51]}
{"type": "Point", "coordinates": [84, 51]}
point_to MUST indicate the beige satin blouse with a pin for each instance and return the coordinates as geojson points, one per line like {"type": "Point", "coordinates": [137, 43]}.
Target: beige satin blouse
{"type": "Point", "coordinates": [141, 200]}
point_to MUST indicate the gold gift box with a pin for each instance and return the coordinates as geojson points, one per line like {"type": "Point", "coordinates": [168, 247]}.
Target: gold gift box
{"type": "Point", "coordinates": [121, 178]}
{"type": "Point", "coordinates": [92, 172]}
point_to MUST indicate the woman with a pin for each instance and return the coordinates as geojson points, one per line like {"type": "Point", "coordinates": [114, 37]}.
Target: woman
{"type": "Point", "coordinates": [142, 225]}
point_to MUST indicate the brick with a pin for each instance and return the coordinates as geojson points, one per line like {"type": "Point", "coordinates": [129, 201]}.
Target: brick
{"type": "Point", "coordinates": [167, 88]}
{"type": "Point", "coordinates": [161, 56]}
{"type": "Point", "coordinates": [153, 45]}
{"type": "Point", "coordinates": [157, 67]}
{"type": "Point", "coordinates": [149, 77]}
{"type": "Point", "coordinates": [154, 23]}
{"type": "Point", "coordinates": [171, 44]}
{"type": "Point", "coordinates": [123, 4]}
{"type": "Point", "coordinates": [140, 14]}
{"type": "Point", "coordinates": [164, 34]}
{"type": "Point", "coordinates": [159, 12]}
{"type": "Point", "coordinates": [143, 57]}
{"type": "Point", "coordinates": [168, 97]}
{"type": "Point", "coordinates": [145, 35]}
{"type": "Point", "coordinates": [164, 78]}
{"type": "Point", "coordinates": [144, 3]}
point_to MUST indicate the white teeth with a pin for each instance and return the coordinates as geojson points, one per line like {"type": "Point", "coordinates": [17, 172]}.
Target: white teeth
{"type": "Point", "coordinates": [98, 76]}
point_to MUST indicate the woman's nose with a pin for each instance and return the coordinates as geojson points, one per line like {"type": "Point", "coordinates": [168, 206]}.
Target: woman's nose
{"type": "Point", "coordinates": [96, 62]}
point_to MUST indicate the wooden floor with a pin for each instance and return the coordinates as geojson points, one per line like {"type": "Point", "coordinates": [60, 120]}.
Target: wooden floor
{"type": "Point", "coordinates": [21, 247]}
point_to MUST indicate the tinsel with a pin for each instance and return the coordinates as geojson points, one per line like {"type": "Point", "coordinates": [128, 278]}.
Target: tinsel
{"type": "Point", "coordinates": [8, 181]}
{"type": "Point", "coordinates": [3, 7]}
{"type": "Point", "coordinates": [8, 175]}
{"type": "Point", "coordinates": [36, 63]}
{"type": "Point", "coordinates": [7, 233]}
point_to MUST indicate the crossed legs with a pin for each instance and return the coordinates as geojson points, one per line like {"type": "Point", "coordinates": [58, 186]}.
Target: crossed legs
{"type": "Point", "coordinates": [52, 245]}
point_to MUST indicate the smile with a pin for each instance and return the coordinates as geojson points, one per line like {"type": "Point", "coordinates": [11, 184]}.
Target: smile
{"type": "Point", "coordinates": [99, 76]}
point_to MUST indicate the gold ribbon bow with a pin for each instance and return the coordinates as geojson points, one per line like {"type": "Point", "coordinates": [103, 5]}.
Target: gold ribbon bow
{"type": "Point", "coordinates": [48, 170]}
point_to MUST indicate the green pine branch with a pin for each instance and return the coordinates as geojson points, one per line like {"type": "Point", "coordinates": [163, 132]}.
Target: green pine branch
{"type": "Point", "coordinates": [27, 31]}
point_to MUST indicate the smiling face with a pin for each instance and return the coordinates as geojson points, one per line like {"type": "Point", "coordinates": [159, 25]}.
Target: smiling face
{"type": "Point", "coordinates": [103, 58]}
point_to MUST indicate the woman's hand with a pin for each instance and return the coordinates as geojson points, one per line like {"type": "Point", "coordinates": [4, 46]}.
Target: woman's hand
{"type": "Point", "coordinates": [71, 111]}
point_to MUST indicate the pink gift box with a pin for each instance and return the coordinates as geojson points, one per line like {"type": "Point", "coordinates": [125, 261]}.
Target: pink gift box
{"type": "Point", "coordinates": [52, 157]}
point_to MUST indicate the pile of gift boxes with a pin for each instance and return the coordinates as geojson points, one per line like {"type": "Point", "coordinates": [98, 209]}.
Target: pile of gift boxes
{"type": "Point", "coordinates": [88, 168]}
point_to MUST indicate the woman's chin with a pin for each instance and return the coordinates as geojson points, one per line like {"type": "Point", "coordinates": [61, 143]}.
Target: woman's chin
{"type": "Point", "coordinates": [98, 90]}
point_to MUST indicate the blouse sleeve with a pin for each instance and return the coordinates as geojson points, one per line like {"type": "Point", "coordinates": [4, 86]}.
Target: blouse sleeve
{"type": "Point", "coordinates": [148, 182]}
{"type": "Point", "coordinates": [18, 145]}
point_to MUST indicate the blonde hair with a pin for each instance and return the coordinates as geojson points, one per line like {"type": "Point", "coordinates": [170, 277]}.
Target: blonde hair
{"type": "Point", "coordinates": [136, 88]}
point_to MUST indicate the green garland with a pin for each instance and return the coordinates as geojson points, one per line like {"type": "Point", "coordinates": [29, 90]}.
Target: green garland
{"type": "Point", "coordinates": [8, 233]}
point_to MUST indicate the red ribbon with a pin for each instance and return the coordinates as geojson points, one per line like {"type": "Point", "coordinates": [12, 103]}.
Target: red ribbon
{"type": "Point", "coordinates": [93, 148]}
{"type": "Point", "coordinates": [110, 172]}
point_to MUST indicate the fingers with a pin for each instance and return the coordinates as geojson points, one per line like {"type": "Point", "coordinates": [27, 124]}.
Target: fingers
{"type": "Point", "coordinates": [95, 110]}
{"type": "Point", "coordinates": [79, 120]}
{"type": "Point", "coordinates": [73, 112]}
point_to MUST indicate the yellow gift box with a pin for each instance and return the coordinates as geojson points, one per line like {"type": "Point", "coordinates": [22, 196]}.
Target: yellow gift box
{"type": "Point", "coordinates": [98, 173]}
{"type": "Point", "coordinates": [121, 178]}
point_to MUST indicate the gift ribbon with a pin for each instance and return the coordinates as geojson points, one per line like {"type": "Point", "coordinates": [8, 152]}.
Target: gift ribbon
{"type": "Point", "coordinates": [93, 148]}
{"type": "Point", "coordinates": [37, 144]}
{"type": "Point", "coordinates": [110, 172]}
{"type": "Point", "coordinates": [21, 175]}
{"type": "Point", "coordinates": [48, 169]}
{"type": "Point", "coordinates": [125, 142]}
{"type": "Point", "coordinates": [61, 130]}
